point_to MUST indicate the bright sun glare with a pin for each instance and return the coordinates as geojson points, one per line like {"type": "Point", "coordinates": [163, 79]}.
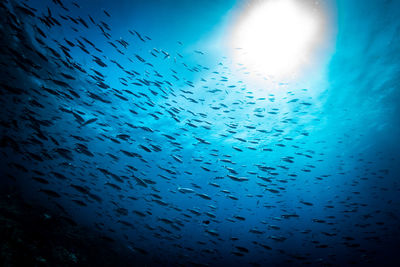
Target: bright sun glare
{"type": "Point", "coordinates": [276, 37]}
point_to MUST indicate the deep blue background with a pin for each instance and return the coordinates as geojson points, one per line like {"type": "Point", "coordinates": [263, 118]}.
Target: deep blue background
{"type": "Point", "coordinates": [326, 145]}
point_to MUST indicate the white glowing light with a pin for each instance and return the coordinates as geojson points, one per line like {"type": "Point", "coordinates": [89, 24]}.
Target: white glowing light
{"type": "Point", "coordinates": [276, 37]}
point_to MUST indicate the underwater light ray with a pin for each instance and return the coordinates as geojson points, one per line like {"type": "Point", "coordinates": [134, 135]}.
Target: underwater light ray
{"type": "Point", "coordinates": [277, 38]}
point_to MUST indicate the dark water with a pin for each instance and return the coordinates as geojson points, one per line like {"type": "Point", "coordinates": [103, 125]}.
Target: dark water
{"type": "Point", "coordinates": [118, 117]}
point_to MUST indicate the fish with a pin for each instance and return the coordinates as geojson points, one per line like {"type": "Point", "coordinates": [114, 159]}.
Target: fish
{"type": "Point", "coordinates": [50, 193]}
{"type": "Point", "coordinates": [153, 140]}
{"type": "Point", "coordinates": [204, 196]}
{"type": "Point", "coordinates": [139, 181]}
{"type": "Point", "coordinates": [185, 190]}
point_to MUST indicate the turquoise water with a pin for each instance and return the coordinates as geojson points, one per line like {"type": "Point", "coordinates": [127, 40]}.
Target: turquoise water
{"type": "Point", "coordinates": [131, 118]}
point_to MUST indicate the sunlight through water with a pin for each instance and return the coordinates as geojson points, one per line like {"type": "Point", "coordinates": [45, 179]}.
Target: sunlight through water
{"type": "Point", "coordinates": [277, 38]}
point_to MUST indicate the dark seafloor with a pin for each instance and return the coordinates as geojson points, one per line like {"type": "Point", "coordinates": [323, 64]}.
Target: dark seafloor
{"type": "Point", "coordinates": [116, 151]}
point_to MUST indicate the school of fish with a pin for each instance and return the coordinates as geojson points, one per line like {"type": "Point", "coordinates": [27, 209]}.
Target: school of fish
{"type": "Point", "coordinates": [180, 161]}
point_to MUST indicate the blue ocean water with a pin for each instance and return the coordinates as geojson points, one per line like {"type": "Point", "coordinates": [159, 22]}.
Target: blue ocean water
{"type": "Point", "coordinates": [132, 118]}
